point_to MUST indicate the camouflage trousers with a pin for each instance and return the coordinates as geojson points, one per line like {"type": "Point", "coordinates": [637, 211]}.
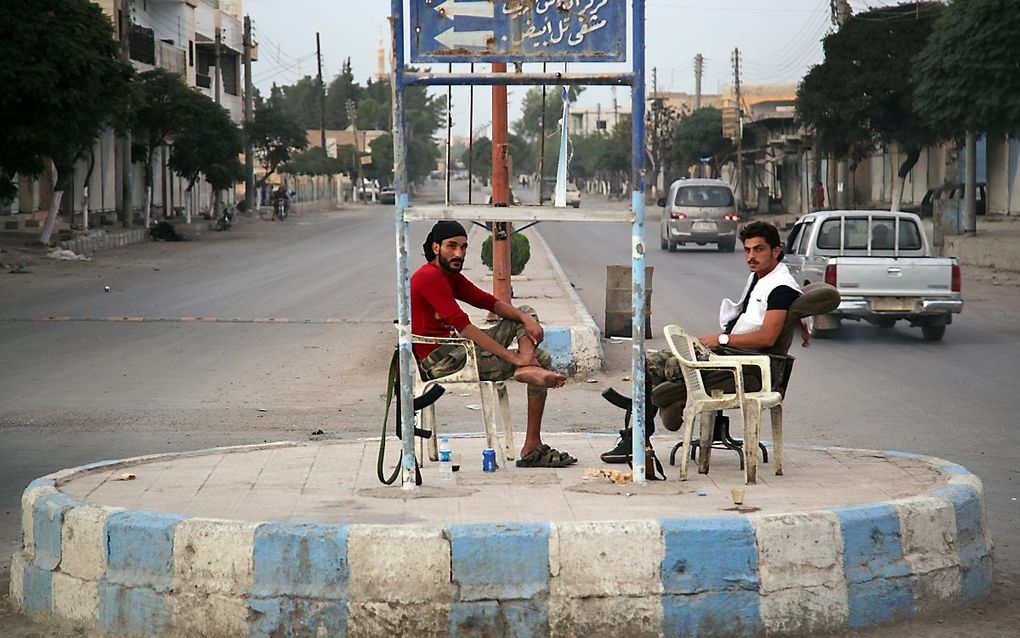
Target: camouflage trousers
{"type": "Point", "coordinates": [447, 359]}
{"type": "Point", "coordinates": [663, 366]}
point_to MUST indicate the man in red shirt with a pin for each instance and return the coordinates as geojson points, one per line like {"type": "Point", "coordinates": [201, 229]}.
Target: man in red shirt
{"type": "Point", "coordinates": [435, 289]}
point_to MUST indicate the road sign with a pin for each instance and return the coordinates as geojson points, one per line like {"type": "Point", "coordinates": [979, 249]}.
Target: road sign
{"type": "Point", "coordinates": [518, 30]}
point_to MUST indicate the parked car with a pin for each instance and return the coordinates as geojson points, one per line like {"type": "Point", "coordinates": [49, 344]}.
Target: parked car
{"type": "Point", "coordinates": [513, 199]}
{"type": "Point", "coordinates": [387, 196]}
{"type": "Point", "coordinates": [700, 211]}
{"type": "Point", "coordinates": [954, 191]}
{"type": "Point", "coordinates": [881, 264]}
{"type": "Point", "coordinates": [368, 192]}
{"type": "Point", "coordinates": [549, 191]}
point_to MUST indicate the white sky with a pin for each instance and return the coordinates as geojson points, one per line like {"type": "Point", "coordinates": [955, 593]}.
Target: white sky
{"type": "Point", "coordinates": [778, 39]}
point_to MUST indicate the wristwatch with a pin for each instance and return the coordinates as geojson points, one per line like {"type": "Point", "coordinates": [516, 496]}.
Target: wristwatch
{"type": "Point", "coordinates": [724, 339]}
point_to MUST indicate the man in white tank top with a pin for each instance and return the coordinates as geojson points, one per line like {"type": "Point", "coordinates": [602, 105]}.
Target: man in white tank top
{"type": "Point", "coordinates": [754, 322]}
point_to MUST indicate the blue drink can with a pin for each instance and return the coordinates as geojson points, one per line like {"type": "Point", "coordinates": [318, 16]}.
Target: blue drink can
{"type": "Point", "coordinates": [488, 460]}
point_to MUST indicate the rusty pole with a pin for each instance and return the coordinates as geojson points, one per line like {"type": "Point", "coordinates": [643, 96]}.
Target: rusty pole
{"type": "Point", "coordinates": [500, 190]}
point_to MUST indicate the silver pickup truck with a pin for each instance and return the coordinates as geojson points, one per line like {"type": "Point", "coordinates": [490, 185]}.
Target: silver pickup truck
{"type": "Point", "coordinates": [882, 265]}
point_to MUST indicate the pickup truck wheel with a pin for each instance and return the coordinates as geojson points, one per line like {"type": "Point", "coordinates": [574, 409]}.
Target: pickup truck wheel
{"type": "Point", "coordinates": [727, 246]}
{"type": "Point", "coordinates": [663, 244]}
{"type": "Point", "coordinates": [933, 333]}
{"type": "Point", "coordinates": [672, 246]}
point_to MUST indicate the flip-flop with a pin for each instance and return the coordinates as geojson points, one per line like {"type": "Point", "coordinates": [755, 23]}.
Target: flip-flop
{"type": "Point", "coordinates": [545, 456]}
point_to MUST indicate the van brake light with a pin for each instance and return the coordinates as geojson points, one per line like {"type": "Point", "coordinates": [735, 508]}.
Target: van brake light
{"type": "Point", "coordinates": [731, 218]}
{"type": "Point", "coordinates": [830, 274]}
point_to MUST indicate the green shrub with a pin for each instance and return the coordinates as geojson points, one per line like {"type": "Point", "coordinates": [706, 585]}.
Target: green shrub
{"type": "Point", "coordinates": [520, 252]}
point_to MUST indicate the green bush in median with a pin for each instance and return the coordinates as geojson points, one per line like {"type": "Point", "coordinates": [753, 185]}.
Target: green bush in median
{"type": "Point", "coordinates": [520, 252]}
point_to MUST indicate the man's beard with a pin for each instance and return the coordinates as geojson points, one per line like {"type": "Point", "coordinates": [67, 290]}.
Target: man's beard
{"type": "Point", "coordinates": [448, 265]}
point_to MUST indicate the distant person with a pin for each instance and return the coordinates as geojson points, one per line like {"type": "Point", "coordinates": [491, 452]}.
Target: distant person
{"type": "Point", "coordinates": [280, 194]}
{"type": "Point", "coordinates": [435, 289]}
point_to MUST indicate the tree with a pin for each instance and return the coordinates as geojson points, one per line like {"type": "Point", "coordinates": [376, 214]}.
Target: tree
{"type": "Point", "coordinates": [861, 94]}
{"type": "Point", "coordinates": [314, 162]}
{"type": "Point", "coordinates": [661, 121]}
{"type": "Point", "coordinates": [340, 90]}
{"type": "Point", "coordinates": [208, 144]}
{"type": "Point", "coordinates": [699, 135]}
{"type": "Point", "coordinates": [482, 154]}
{"type": "Point", "coordinates": [529, 127]}
{"type": "Point", "coordinates": [967, 76]}
{"type": "Point", "coordinates": [157, 117]}
{"type": "Point", "coordinates": [300, 101]}
{"type": "Point", "coordinates": [64, 83]}
{"type": "Point", "coordinates": [275, 136]}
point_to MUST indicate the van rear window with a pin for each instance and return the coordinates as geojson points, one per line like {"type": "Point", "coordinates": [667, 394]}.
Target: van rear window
{"type": "Point", "coordinates": [704, 196]}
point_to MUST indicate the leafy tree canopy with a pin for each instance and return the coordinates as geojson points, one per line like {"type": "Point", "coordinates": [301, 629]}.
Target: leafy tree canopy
{"type": "Point", "coordinates": [275, 135]}
{"type": "Point", "coordinates": [63, 80]}
{"type": "Point", "coordinates": [482, 153]}
{"type": "Point", "coordinates": [967, 76]}
{"type": "Point", "coordinates": [208, 144]}
{"type": "Point", "coordinates": [314, 162]}
{"type": "Point", "coordinates": [700, 135]}
{"type": "Point", "coordinates": [861, 94]}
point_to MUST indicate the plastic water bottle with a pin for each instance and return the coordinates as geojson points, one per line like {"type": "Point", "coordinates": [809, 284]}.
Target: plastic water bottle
{"type": "Point", "coordinates": [445, 459]}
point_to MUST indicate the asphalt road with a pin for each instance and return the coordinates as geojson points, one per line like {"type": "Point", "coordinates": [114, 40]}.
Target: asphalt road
{"type": "Point", "coordinates": [79, 391]}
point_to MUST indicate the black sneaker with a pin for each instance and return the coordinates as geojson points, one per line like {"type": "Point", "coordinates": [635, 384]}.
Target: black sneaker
{"type": "Point", "coordinates": [622, 452]}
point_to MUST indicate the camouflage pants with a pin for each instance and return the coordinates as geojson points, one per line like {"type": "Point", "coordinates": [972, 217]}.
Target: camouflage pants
{"type": "Point", "coordinates": [447, 359]}
{"type": "Point", "coordinates": [663, 366]}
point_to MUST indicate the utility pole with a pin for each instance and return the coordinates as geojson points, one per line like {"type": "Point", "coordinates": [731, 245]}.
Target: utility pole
{"type": "Point", "coordinates": [970, 185]}
{"type": "Point", "coordinates": [541, 145]}
{"type": "Point", "coordinates": [249, 105]}
{"type": "Point", "coordinates": [322, 96]}
{"type": "Point", "coordinates": [352, 115]}
{"type": "Point", "coordinates": [699, 66]}
{"type": "Point", "coordinates": [500, 190]}
{"type": "Point", "coordinates": [127, 165]}
{"type": "Point", "coordinates": [216, 63]}
{"type": "Point", "coordinates": [841, 13]}
{"type": "Point", "coordinates": [740, 127]}
{"type": "Point", "coordinates": [656, 146]}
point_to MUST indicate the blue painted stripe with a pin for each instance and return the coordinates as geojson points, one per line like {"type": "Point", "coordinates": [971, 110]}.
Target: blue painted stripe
{"type": "Point", "coordinates": [710, 577]}
{"type": "Point", "coordinates": [140, 549]}
{"type": "Point", "coordinates": [300, 560]}
{"type": "Point", "coordinates": [500, 562]}
{"type": "Point", "coordinates": [47, 524]}
{"type": "Point", "coordinates": [877, 577]}
{"type": "Point", "coordinates": [41, 482]}
{"type": "Point", "coordinates": [131, 610]}
{"type": "Point", "coordinates": [513, 619]}
{"type": "Point", "coordinates": [558, 343]}
{"type": "Point", "coordinates": [975, 561]}
{"type": "Point", "coordinates": [283, 616]}
{"type": "Point", "coordinates": [37, 587]}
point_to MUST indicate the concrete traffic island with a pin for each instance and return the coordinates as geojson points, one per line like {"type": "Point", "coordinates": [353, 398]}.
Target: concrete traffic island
{"type": "Point", "coordinates": [301, 539]}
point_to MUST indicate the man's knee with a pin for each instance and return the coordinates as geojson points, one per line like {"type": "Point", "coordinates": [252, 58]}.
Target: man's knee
{"type": "Point", "coordinates": [528, 310]}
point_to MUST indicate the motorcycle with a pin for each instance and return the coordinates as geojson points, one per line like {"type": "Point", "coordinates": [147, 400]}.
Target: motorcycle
{"type": "Point", "coordinates": [280, 210]}
{"type": "Point", "coordinates": [226, 218]}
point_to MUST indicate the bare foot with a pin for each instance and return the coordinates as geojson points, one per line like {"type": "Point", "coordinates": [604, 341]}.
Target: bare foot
{"type": "Point", "coordinates": [535, 375]}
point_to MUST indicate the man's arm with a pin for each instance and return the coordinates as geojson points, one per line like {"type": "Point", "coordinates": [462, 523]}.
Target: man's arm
{"type": "Point", "coordinates": [485, 342]}
{"type": "Point", "coordinates": [761, 338]}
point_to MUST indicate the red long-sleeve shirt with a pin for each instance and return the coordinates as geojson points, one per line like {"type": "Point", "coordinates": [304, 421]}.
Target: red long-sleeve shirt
{"type": "Point", "coordinates": [434, 308]}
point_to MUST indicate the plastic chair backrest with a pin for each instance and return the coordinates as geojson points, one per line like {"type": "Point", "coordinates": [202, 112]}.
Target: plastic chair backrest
{"type": "Point", "coordinates": [815, 299]}
{"type": "Point", "coordinates": [684, 349]}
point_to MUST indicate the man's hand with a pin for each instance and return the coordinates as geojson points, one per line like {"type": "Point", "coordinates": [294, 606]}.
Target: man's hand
{"type": "Point", "coordinates": [710, 341]}
{"type": "Point", "coordinates": [533, 329]}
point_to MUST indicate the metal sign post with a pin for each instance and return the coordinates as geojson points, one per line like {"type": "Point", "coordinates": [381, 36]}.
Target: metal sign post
{"type": "Point", "coordinates": [519, 31]}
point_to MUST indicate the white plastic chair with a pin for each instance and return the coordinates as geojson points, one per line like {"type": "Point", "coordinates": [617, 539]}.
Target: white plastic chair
{"type": "Point", "coordinates": [490, 394]}
{"type": "Point", "coordinates": [699, 403]}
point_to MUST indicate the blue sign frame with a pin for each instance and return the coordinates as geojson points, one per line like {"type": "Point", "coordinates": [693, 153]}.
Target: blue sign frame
{"type": "Point", "coordinates": [518, 30]}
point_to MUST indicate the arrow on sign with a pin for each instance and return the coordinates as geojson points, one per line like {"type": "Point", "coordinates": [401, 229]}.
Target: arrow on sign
{"type": "Point", "coordinates": [452, 8]}
{"type": "Point", "coordinates": [453, 39]}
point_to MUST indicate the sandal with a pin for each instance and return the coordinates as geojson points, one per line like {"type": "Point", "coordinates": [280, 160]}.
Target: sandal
{"type": "Point", "coordinates": [545, 456]}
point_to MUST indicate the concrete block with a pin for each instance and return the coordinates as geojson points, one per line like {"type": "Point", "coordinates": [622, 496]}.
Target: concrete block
{"type": "Point", "coordinates": [500, 562]}
{"type": "Point", "coordinates": [131, 610]}
{"type": "Point", "coordinates": [75, 599]}
{"type": "Point", "coordinates": [709, 572]}
{"type": "Point", "coordinates": [928, 531]}
{"type": "Point", "coordinates": [140, 550]}
{"type": "Point", "coordinates": [35, 490]}
{"type": "Point", "coordinates": [37, 590]}
{"type": "Point", "coordinates": [587, 347]}
{"type": "Point", "coordinates": [213, 556]}
{"type": "Point", "coordinates": [300, 560]}
{"type": "Point", "coordinates": [47, 525]}
{"type": "Point", "coordinates": [640, 616]}
{"type": "Point", "coordinates": [612, 558]}
{"type": "Point", "coordinates": [802, 583]}
{"type": "Point", "coordinates": [17, 576]}
{"type": "Point", "coordinates": [878, 585]}
{"type": "Point", "coordinates": [406, 564]}
{"type": "Point", "coordinates": [206, 615]}
{"type": "Point", "coordinates": [512, 619]}
{"type": "Point", "coordinates": [84, 542]}
{"type": "Point", "coordinates": [971, 540]}
{"type": "Point", "coordinates": [385, 619]}
{"type": "Point", "coordinates": [285, 616]}
{"type": "Point", "coordinates": [558, 344]}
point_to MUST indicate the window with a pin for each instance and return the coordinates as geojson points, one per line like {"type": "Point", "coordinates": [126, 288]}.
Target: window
{"type": "Point", "coordinates": [793, 239]}
{"type": "Point", "coordinates": [704, 196]}
{"type": "Point", "coordinates": [802, 248]}
{"type": "Point", "coordinates": [881, 232]}
{"type": "Point", "coordinates": [910, 236]}
{"type": "Point", "coordinates": [828, 237]}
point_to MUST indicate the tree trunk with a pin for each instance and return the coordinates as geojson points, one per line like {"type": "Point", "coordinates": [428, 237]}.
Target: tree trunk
{"type": "Point", "coordinates": [907, 165]}
{"type": "Point", "coordinates": [85, 190]}
{"type": "Point", "coordinates": [51, 216]}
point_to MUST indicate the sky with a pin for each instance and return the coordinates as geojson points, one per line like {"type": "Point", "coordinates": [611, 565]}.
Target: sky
{"type": "Point", "coordinates": [779, 40]}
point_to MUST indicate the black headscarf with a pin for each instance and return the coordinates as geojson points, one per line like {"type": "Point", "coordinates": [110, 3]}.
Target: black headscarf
{"type": "Point", "coordinates": [442, 231]}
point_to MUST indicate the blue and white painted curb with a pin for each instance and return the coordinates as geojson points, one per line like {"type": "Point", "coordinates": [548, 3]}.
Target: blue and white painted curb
{"type": "Point", "coordinates": [575, 348]}
{"type": "Point", "coordinates": [140, 572]}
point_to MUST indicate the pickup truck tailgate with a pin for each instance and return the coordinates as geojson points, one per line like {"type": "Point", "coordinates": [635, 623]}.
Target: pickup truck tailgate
{"type": "Point", "coordinates": [889, 276]}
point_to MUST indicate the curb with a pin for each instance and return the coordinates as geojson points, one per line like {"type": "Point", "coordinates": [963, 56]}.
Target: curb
{"type": "Point", "coordinates": [100, 239]}
{"type": "Point", "coordinates": [574, 348]}
{"type": "Point", "coordinates": [151, 573]}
